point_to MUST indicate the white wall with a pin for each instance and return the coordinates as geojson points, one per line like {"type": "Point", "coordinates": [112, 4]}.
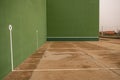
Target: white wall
{"type": "Point", "coordinates": [110, 14]}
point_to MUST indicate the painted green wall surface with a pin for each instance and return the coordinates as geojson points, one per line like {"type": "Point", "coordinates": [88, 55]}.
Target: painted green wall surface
{"type": "Point", "coordinates": [26, 16]}
{"type": "Point", "coordinates": [72, 19]}
{"type": "Point", "coordinates": [66, 20]}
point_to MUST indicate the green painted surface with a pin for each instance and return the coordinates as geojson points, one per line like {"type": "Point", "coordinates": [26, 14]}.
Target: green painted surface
{"type": "Point", "coordinates": [26, 16]}
{"type": "Point", "coordinates": [73, 39]}
{"type": "Point", "coordinates": [65, 18]}
{"type": "Point", "coordinates": [72, 18]}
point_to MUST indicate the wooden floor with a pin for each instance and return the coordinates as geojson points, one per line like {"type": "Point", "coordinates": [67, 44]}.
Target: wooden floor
{"type": "Point", "coordinates": [82, 60]}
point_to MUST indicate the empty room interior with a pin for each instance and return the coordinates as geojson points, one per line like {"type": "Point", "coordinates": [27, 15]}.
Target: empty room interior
{"type": "Point", "coordinates": [59, 39]}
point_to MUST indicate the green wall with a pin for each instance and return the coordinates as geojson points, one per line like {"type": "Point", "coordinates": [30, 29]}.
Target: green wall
{"type": "Point", "coordinates": [72, 19]}
{"type": "Point", "coordinates": [26, 16]}
{"type": "Point", "coordinates": [66, 20]}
